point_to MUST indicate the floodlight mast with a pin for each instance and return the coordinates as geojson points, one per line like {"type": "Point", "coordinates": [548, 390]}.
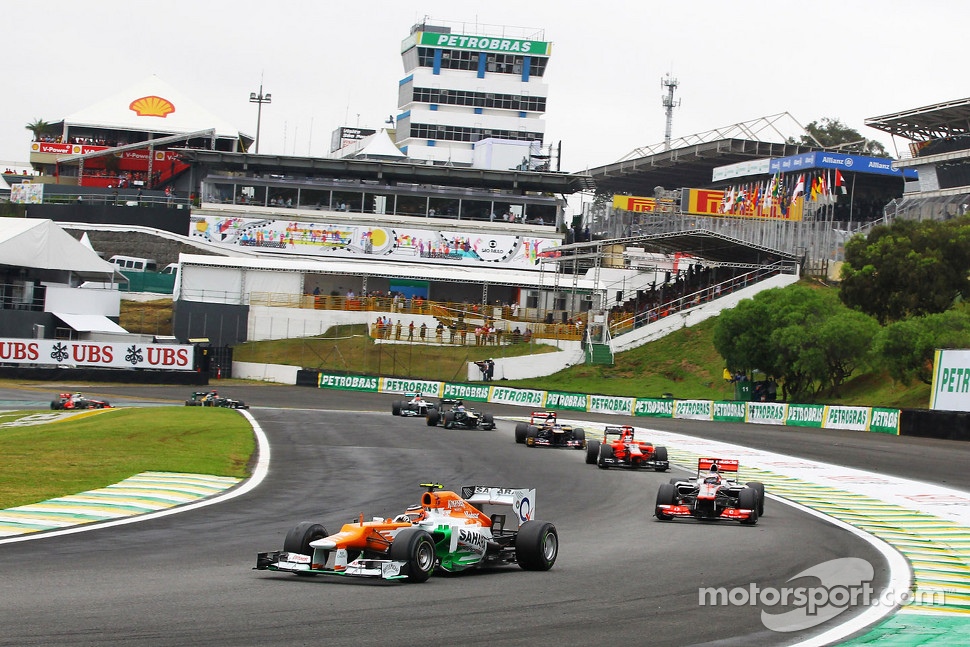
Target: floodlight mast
{"type": "Point", "coordinates": [669, 104]}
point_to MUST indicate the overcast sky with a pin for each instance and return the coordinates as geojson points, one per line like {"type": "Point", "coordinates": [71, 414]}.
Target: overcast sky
{"type": "Point", "coordinates": [329, 63]}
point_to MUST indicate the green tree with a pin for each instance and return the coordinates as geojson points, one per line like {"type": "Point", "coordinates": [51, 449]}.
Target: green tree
{"type": "Point", "coordinates": [906, 348]}
{"type": "Point", "coordinates": [832, 133]}
{"type": "Point", "coordinates": [39, 127]}
{"type": "Point", "coordinates": [907, 269]}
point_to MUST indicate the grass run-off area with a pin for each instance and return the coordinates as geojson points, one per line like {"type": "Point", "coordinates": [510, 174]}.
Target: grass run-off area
{"type": "Point", "coordinates": [100, 448]}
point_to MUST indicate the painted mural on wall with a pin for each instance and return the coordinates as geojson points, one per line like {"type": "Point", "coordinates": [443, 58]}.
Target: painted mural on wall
{"type": "Point", "coordinates": [391, 243]}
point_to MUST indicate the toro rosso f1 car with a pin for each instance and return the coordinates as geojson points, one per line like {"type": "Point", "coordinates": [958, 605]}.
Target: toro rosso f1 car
{"type": "Point", "coordinates": [715, 494]}
{"type": "Point", "coordinates": [620, 448]}
{"type": "Point", "coordinates": [77, 401]}
{"type": "Point", "coordinates": [446, 531]}
{"type": "Point", "coordinates": [545, 430]}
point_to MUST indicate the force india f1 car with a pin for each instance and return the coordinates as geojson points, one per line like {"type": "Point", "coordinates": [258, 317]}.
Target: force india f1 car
{"type": "Point", "coordinates": [445, 531]}
{"type": "Point", "coordinates": [461, 417]}
{"type": "Point", "coordinates": [714, 494]}
{"type": "Point", "coordinates": [620, 448]}
{"type": "Point", "coordinates": [77, 401]}
{"type": "Point", "coordinates": [545, 430]}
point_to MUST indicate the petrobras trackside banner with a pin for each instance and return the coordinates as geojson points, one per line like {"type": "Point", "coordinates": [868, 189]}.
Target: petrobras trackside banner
{"type": "Point", "coordinates": [569, 401]}
{"type": "Point", "coordinates": [767, 413]}
{"type": "Point", "coordinates": [854, 418]}
{"type": "Point", "coordinates": [473, 392]}
{"type": "Point", "coordinates": [46, 352]}
{"type": "Point", "coordinates": [349, 382]}
{"type": "Point", "coordinates": [729, 411]}
{"type": "Point", "coordinates": [693, 409]}
{"type": "Point", "coordinates": [426, 388]}
{"type": "Point", "coordinates": [505, 395]}
{"type": "Point", "coordinates": [884, 421]}
{"type": "Point", "coordinates": [654, 408]}
{"type": "Point", "coordinates": [951, 381]}
{"type": "Point", "coordinates": [610, 404]}
{"type": "Point", "coordinates": [805, 415]}
{"type": "Point", "coordinates": [382, 243]}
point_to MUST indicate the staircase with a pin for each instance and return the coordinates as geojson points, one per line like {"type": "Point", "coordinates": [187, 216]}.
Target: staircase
{"type": "Point", "coordinates": [599, 354]}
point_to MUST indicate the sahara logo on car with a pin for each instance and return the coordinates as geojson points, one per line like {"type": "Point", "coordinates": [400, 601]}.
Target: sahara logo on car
{"type": "Point", "coordinates": [474, 540]}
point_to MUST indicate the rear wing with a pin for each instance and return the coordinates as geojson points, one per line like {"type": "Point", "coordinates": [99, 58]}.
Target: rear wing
{"type": "Point", "coordinates": [522, 500]}
{"type": "Point", "coordinates": [541, 416]}
{"type": "Point", "coordinates": [727, 466]}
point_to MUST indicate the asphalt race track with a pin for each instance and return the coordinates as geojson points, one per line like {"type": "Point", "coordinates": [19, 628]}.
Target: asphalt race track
{"type": "Point", "coordinates": [621, 578]}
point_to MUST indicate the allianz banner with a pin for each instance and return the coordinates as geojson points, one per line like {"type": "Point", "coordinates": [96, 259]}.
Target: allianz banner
{"type": "Point", "coordinates": [694, 409]}
{"type": "Point", "coordinates": [854, 418]}
{"type": "Point", "coordinates": [527, 397]}
{"type": "Point", "coordinates": [348, 382]}
{"type": "Point", "coordinates": [610, 404]}
{"type": "Point", "coordinates": [473, 392]}
{"type": "Point", "coordinates": [730, 411]}
{"type": "Point", "coordinates": [654, 408]}
{"type": "Point", "coordinates": [398, 385]}
{"type": "Point", "coordinates": [570, 401]}
{"type": "Point", "coordinates": [805, 415]}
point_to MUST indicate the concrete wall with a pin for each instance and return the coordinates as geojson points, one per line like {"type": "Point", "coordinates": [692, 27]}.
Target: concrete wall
{"type": "Point", "coordinates": [278, 373]}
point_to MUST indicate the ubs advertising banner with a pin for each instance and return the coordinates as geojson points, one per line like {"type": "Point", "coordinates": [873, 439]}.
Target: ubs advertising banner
{"type": "Point", "coordinates": [387, 243]}
{"type": "Point", "coordinates": [951, 381]}
{"type": "Point", "coordinates": [46, 352]}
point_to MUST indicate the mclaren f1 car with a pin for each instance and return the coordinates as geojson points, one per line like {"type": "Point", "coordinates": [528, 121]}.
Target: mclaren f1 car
{"type": "Point", "coordinates": [714, 494]}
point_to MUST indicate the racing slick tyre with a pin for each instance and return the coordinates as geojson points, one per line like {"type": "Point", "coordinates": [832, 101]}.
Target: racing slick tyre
{"type": "Point", "coordinates": [488, 422]}
{"type": "Point", "coordinates": [592, 451]}
{"type": "Point", "coordinates": [760, 489]}
{"type": "Point", "coordinates": [396, 408]}
{"type": "Point", "coordinates": [748, 499]}
{"type": "Point", "coordinates": [521, 430]}
{"type": "Point", "coordinates": [56, 405]}
{"type": "Point", "coordinates": [666, 495]}
{"type": "Point", "coordinates": [675, 480]}
{"type": "Point", "coordinates": [298, 540]}
{"type": "Point", "coordinates": [449, 419]}
{"type": "Point", "coordinates": [433, 417]}
{"type": "Point", "coordinates": [536, 545]}
{"type": "Point", "coordinates": [580, 434]}
{"type": "Point", "coordinates": [660, 454]}
{"type": "Point", "coordinates": [414, 546]}
{"type": "Point", "coordinates": [606, 451]}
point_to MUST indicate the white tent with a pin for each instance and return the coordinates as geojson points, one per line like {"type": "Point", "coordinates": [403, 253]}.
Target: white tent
{"type": "Point", "coordinates": [41, 244]}
{"type": "Point", "coordinates": [151, 105]}
{"type": "Point", "coordinates": [379, 146]}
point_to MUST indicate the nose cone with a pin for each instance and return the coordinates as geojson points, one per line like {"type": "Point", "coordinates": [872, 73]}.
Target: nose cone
{"type": "Point", "coordinates": [325, 544]}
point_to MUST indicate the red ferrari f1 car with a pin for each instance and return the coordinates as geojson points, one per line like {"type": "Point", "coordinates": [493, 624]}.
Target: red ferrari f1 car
{"type": "Point", "coordinates": [714, 494]}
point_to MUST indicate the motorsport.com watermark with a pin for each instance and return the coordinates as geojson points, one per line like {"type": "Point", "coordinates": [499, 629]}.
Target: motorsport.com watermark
{"type": "Point", "coordinates": [841, 584]}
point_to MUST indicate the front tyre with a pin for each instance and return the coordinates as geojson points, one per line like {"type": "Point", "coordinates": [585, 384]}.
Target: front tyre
{"type": "Point", "coordinates": [521, 431]}
{"type": "Point", "coordinates": [759, 487]}
{"type": "Point", "coordinates": [396, 408]}
{"type": "Point", "coordinates": [415, 547]}
{"type": "Point", "coordinates": [298, 540]}
{"type": "Point", "coordinates": [660, 454]}
{"type": "Point", "coordinates": [666, 495]}
{"type": "Point", "coordinates": [488, 421]}
{"type": "Point", "coordinates": [592, 451]}
{"type": "Point", "coordinates": [748, 499]}
{"type": "Point", "coordinates": [536, 545]}
{"type": "Point", "coordinates": [580, 434]}
{"type": "Point", "coordinates": [433, 417]}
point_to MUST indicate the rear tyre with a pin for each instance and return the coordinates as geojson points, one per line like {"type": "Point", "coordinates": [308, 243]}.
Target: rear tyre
{"type": "Point", "coordinates": [414, 546]}
{"type": "Point", "coordinates": [580, 434]}
{"type": "Point", "coordinates": [592, 451]}
{"type": "Point", "coordinates": [298, 540]}
{"type": "Point", "coordinates": [396, 408]}
{"type": "Point", "coordinates": [433, 417]}
{"type": "Point", "coordinates": [760, 489]}
{"type": "Point", "coordinates": [666, 495]}
{"type": "Point", "coordinates": [748, 499]}
{"type": "Point", "coordinates": [606, 452]}
{"type": "Point", "coordinates": [536, 545]}
{"type": "Point", "coordinates": [449, 419]}
{"type": "Point", "coordinates": [660, 454]}
{"type": "Point", "coordinates": [521, 431]}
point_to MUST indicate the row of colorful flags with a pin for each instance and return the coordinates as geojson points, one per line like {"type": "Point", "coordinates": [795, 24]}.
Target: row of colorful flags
{"type": "Point", "coordinates": [781, 191]}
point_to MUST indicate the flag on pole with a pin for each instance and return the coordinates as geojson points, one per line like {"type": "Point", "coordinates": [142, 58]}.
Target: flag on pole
{"type": "Point", "coordinates": [799, 188]}
{"type": "Point", "coordinates": [839, 182]}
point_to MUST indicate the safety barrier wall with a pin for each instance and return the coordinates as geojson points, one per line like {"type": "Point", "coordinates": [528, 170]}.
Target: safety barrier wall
{"type": "Point", "coordinates": [822, 416]}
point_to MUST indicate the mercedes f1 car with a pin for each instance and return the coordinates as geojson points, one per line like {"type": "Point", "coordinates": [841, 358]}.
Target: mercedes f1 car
{"type": "Point", "coordinates": [714, 494]}
{"type": "Point", "coordinates": [77, 401]}
{"type": "Point", "coordinates": [620, 448]}
{"type": "Point", "coordinates": [545, 430]}
{"type": "Point", "coordinates": [414, 406]}
{"type": "Point", "coordinates": [460, 417]}
{"type": "Point", "coordinates": [213, 399]}
{"type": "Point", "coordinates": [446, 531]}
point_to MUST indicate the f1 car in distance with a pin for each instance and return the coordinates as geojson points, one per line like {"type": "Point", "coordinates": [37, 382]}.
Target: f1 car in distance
{"type": "Point", "coordinates": [620, 448]}
{"type": "Point", "coordinates": [545, 430]}
{"type": "Point", "coordinates": [77, 401]}
{"type": "Point", "coordinates": [213, 399]}
{"type": "Point", "coordinates": [714, 494]}
{"type": "Point", "coordinates": [446, 531]}
{"type": "Point", "coordinates": [415, 405]}
{"type": "Point", "coordinates": [460, 417]}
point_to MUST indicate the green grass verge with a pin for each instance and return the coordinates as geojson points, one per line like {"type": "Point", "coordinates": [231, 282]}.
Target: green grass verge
{"type": "Point", "coordinates": [61, 458]}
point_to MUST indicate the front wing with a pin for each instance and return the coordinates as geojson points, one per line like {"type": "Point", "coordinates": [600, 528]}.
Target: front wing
{"type": "Point", "coordinates": [651, 464]}
{"type": "Point", "coordinates": [571, 443]}
{"type": "Point", "coordinates": [385, 569]}
{"type": "Point", "coordinates": [727, 514]}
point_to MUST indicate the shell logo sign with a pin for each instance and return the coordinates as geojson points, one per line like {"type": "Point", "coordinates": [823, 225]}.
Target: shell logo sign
{"type": "Point", "coordinates": [152, 106]}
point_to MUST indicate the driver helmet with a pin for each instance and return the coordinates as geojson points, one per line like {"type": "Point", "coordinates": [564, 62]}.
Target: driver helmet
{"type": "Point", "coordinates": [550, 420]}
{"type": "Point", "coordinates": [714, 467]}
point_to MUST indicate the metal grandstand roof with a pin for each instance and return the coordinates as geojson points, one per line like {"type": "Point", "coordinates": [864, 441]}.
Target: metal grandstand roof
{"type": "Point", "coordinates": [701, 243]}
{"type": "Point", "coordinates": [929, 122]}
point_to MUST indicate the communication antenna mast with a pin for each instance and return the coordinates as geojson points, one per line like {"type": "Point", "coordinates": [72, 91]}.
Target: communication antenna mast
{"type": "Point", "coordinates": [669, 104]}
